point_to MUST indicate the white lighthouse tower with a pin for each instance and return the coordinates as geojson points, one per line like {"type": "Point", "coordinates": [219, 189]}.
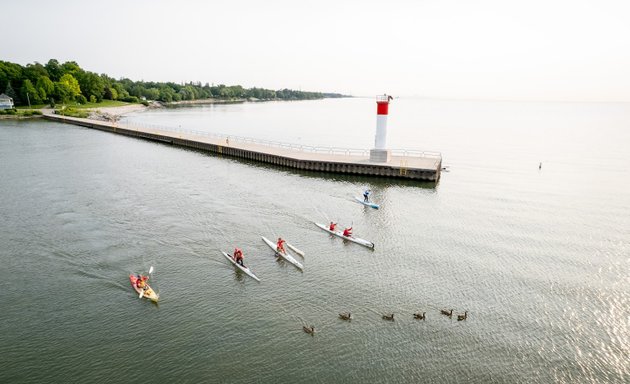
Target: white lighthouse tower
{"type": "Point", "coordinates": [380, 154]}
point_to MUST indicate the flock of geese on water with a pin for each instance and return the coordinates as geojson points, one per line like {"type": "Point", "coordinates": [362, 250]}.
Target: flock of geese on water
{"type": "Point", "coordinates": [390, 317]}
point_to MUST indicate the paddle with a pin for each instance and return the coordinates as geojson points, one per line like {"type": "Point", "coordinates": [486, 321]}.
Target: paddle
{"type": "Point", "coordinates": [295, 250]}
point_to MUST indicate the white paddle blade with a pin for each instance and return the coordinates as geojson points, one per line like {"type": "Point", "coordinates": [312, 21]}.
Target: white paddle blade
{"type": "Point", "coordinates": [151, 270]}
{"type": "Point", "coordinates": [141, 294]}
{"type": "Point", "coordinates": [295, 250]}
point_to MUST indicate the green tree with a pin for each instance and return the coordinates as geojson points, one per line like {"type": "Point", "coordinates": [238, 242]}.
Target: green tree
{"type": "Point", "coordinates": [152, 94]}
{"type": "Point", "coordinates": [29, 93]}
{"type": "Point", "coordinates": [54, 70]}
{"type": "Point", "coordinates": [45, 87]}
{"type": "Point", "coordinates": [34, 71]}
{"type": "Point", "coordinates": [70, 67]}
{"type": "Point", "coordinates": [9, 91]}
{"type": "Point", "coordinates": [91, 84]}
{"type": "Point", "coordinates": [70, 85]}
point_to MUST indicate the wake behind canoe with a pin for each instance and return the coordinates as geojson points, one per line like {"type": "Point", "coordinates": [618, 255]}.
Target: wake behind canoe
{"type": "Point", "coordinates": [356, 240]}
{"type": "Point", "coordinates": [242, 268]}
{"type": "Point", "coordinates": [285, 256]}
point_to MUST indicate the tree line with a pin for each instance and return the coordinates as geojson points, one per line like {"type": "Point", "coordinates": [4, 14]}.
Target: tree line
{"type": "Point", "coordinates": [54, 82]}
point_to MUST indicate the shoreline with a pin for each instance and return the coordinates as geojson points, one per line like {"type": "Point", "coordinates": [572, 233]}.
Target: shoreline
{"type": "Point", "coordinates": [115, 113]}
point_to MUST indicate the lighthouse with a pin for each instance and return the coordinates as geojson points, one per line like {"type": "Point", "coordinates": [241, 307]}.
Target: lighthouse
{"type": "Point", "coordinates": [380, 154]}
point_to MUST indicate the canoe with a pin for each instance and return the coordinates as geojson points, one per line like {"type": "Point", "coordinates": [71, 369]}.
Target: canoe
{"type": "Point", "coordinates": [284, 255]}
{"type": "Point", "coordinates": [247, 271]}
{"type": "Point", "coordinates": [357, 240]}
{"type": "Point", "coordinates": [360, 200]}
{"type": "Point", "coordinates": [148, 293]}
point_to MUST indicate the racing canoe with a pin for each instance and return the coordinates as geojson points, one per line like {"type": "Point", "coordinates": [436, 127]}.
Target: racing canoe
{"type": "Point", "coordinates": [284, 255]}
{"type": "Point", "coordinates": [247, 271]}
{"type": "Point", "coordinates": [357, 240]}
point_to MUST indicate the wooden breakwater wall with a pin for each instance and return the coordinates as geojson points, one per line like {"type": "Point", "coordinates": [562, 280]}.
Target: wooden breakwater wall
{"type": "Point", "coordinates": [398, 167]}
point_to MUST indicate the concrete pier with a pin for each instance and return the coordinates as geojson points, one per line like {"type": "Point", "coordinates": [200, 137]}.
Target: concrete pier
{"type": "Point", "coordinates": [402, 164]}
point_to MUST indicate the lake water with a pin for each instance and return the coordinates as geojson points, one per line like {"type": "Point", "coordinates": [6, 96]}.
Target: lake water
{"type": "Point", "coordinates": [538, 258]}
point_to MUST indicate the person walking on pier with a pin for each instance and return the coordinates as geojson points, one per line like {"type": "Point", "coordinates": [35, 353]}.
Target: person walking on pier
{"type": "Point", "coordinates": [366, 196]}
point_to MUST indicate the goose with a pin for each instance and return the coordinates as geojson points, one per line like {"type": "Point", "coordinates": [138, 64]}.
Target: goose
{"type": "Point", "coordinates": [418, 316]}
{"type": "Point", "coordinates": [345, 316]}
{"type": "Point", "coordinates": [389, 317]}
{"type": "Point", "coordinates": [310, 330]}
{"type": "Point", "coordinates": [447, 313]}
{"type": "Point", "coordinates": [462, 317]}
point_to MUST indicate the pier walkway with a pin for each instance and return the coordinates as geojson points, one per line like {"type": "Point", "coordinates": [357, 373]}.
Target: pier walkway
{"type": "Point", "coordinates": [403, 164]}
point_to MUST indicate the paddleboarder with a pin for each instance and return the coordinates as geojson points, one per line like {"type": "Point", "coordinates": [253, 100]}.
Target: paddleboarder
{"type": "Point", "coordinates": [366, 196]}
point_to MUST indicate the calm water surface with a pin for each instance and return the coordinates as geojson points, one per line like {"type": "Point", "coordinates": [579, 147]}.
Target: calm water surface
{"type": "Point", "coordinates": [538, 258]}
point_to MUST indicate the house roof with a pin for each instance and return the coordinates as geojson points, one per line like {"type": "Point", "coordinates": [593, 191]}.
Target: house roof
{"type": "Point", "coordinates": [3, 96]}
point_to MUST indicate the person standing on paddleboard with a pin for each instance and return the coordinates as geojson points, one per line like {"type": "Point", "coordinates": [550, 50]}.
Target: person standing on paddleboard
{"type": "Point", "coordinates": [366, 196]}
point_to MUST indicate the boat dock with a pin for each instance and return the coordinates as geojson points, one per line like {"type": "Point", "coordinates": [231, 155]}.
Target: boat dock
{"type": "Point", "coordinates": [417, 165]}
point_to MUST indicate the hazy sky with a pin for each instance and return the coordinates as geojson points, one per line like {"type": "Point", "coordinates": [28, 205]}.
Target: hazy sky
{"type": "Point", "coordinates": [480, 49]}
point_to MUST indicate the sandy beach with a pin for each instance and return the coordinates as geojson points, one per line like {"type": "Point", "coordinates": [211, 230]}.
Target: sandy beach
{"type": "Point", "coordinates": [115, 113]}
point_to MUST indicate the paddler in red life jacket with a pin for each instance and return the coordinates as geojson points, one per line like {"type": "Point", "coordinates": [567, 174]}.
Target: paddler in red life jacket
{"type": "Point", "coordinates": [280, 245]}
{"type": "Point", "coordinates": [141, 281]}
{"type": "Point", "coordinates": [238, 256]}
{"type": "Point", "coordinates": [332, 226]}
{"type": "Point", "coordinates": [347, 232]}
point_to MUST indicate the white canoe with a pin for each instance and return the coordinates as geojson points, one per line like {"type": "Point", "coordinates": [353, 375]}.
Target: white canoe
{"type": "Point", "coordinates": [360, 200]}
{"type": "Point", "coordinates": [285, 256]}
{"type": "Point", "coordinates": [244, 269]}
{"type": "Point", "coordinates": [357, 240]}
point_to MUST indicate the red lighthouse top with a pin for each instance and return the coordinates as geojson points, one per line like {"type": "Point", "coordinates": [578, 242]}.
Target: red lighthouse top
{"type": "Point", "coordinates": [382, 104]}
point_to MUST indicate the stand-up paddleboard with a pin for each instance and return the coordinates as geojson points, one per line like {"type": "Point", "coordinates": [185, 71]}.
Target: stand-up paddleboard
{"type": "Point", "coordinates": [360, 200]}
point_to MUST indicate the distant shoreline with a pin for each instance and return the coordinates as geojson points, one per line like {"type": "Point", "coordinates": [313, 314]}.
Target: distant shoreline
{"type": "Point", "coordinates": [114, 113]}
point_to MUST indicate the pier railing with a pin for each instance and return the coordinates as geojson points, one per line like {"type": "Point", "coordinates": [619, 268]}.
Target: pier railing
{"type": "Point", "coordinates": [289, 146]}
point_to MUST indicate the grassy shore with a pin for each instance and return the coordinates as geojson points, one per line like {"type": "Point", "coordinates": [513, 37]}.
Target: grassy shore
{"type": "Point", "coordinates": [19, 113]}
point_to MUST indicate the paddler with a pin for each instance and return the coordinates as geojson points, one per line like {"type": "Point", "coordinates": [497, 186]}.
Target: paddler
{"type": "Point", "coordinates": [280, 245]}
{"type": "Point", "coordinates": [366, 195]}
{"type": "Point", "coordinates": [141, 282]}
{"type": "Point", "coordinates": [238, 256]}
{"type": "Point", "coordinates": [332, 226]}
{"type": "Point", "coordinates": [347, 232]}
